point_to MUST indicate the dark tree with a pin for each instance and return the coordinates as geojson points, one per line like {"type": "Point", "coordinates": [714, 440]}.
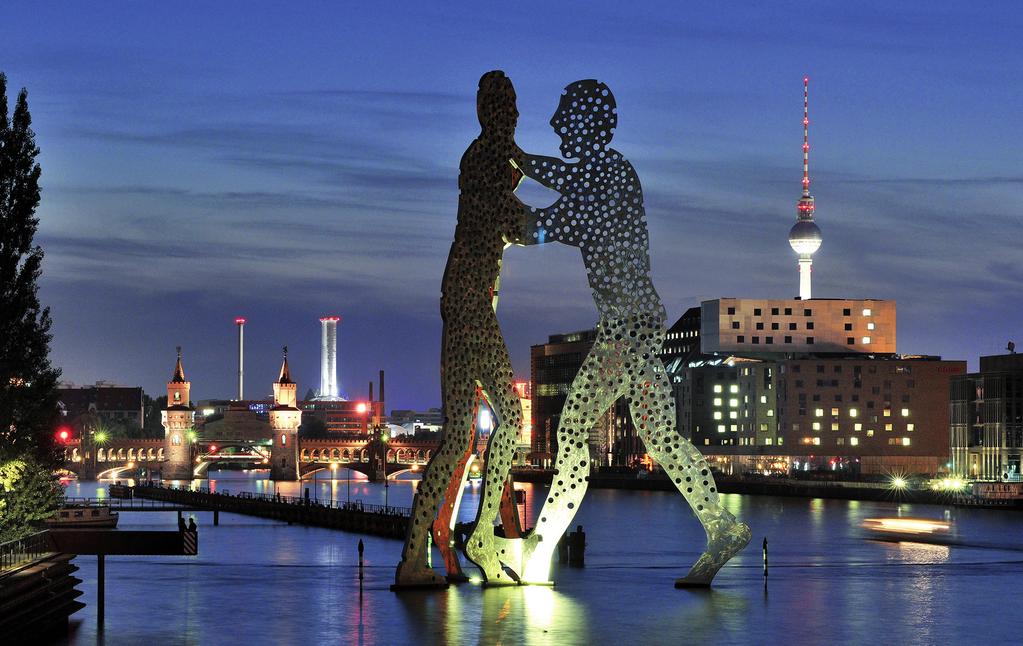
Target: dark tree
{"type": "Point", "coordinates": [28, 395]}
{"type": "Point", "coordinates": [152, 424]}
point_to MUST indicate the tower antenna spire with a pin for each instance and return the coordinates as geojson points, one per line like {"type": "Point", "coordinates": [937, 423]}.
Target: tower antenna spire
{"type": "Point", "coordinates": [805, 236]}
{"type": "Point", "coordinates": [806, 136]}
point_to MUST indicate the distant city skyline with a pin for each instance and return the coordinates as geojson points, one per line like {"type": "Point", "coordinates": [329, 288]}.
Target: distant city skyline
{"type": "Point", "coordinates": [202, 164]}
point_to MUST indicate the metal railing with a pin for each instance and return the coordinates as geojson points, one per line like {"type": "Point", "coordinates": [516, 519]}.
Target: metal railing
{"type": "Point", "coordinates": [117, 503]}
{"type": "Point", "coordinates": [15, 554]}
{"type": "Point", "coordinates": [354, 505]}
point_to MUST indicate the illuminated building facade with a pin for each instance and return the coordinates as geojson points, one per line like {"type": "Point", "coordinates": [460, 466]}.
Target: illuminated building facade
{"type": "Point", "coordinates": [986, 429]}
{"type": "Point", "coordinates": [823, 408]}
{"type": "Point", "coordinates": [783, 327]}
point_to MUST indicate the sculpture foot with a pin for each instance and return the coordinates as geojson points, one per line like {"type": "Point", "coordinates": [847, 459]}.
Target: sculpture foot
{"type": "Point", "coordinates": [480, 550]}
{"type": "Point", "coordinates": [536, 561]}
{"type": "Point", "coordinates": [408, 576]}
{"type": "Point", "coordinates": [722, 548]}
{"type": "Point", "coordinates": [510, 553]}
{"type": "Point", "coordinates": [457, 577]}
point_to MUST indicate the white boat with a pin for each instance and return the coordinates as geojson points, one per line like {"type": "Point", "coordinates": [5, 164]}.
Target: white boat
{"type": "Point", "coordinates": [83, 517]}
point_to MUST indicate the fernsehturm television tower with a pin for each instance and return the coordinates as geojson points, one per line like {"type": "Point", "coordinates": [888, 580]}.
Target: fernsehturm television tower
{"type": "Point", "coordinates": [805, 236]}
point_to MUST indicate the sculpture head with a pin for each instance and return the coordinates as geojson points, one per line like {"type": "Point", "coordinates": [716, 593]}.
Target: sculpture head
{"type": "Point", "coordinates": [585, 119]}
{"type": "Point", "coordinates": [495, 104]}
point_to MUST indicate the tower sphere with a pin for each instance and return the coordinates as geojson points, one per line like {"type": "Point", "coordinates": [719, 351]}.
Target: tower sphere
{"type": "Point", "coordinates": [805, 237]}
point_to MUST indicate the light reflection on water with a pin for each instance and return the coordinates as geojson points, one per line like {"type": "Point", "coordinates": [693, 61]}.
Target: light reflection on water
{"type": "Point", "coordinates": [259, 581]}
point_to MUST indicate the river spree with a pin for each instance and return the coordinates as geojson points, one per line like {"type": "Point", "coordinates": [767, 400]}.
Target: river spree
{"type": "Point", "coordinates": [257, 581]}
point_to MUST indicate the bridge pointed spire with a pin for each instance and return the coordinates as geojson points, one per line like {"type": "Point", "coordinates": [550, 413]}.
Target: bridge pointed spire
{"type": "Point", "coordinates": [285, 376]}
{"type": "Point", "coordinates": [179, 371]}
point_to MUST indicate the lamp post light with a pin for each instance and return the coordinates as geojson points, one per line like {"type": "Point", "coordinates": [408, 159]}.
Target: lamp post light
{"type": "Point", "coordinates": [333, 481]}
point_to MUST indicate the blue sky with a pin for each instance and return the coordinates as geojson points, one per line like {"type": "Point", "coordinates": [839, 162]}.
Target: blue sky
{"type": "Point", "coordinates": [287, 160]}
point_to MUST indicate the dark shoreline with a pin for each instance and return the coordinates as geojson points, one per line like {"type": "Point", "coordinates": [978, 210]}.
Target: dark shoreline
{"type": "Point", "coordinates": [787, 488]}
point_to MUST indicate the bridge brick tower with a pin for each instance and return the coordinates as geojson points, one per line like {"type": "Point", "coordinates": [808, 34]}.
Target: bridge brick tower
{"type": "Point", "coordinates": [285, 418]}
{"type": "Point", "coordinates": [178, 421]}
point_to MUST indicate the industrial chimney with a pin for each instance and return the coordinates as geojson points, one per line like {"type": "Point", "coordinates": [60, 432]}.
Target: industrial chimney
{"type": "Point", "coordinates": [240, 322]}
{"type": "Point", "coordinates": [329, 388]}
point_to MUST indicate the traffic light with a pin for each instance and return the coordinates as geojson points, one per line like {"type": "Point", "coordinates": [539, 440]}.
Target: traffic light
{"type": "Point", "coordinates": [63, 435]}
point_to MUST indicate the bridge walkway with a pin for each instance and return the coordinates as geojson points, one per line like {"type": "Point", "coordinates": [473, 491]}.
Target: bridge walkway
{"type": "Point", "coordinates": [378, 520]}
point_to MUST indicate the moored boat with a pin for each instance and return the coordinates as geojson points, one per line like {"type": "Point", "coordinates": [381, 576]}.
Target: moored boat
{"type": "Point", "coordinates": [99, 517]}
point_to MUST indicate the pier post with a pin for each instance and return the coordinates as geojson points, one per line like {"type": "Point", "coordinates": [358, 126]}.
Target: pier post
{"type": "Point", "coordinates": [101, 584]}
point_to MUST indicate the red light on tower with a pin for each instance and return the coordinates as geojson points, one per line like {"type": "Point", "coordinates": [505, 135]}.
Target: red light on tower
{"type": "Point", "coordinates": [239, 320]}
{"type": "Point", "coordinates": [63, 435]}
{"type": "Point", "coordinates": [213, 448]}
{"type": "Point", "coordinates": [361, 408]}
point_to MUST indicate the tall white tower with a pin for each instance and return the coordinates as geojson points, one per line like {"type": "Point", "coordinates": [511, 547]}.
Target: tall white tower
{"type": "Point", "coordinates": [329, 388]}
{"type": "Point", "coordinates": [240, 322]}
{"type": "Point", "coordinates": [805, 235]}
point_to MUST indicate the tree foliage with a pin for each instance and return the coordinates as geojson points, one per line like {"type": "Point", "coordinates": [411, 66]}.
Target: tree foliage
{"type": "Point", "coordinates": [28, 383]}
{"type": "Point", "coordinates": [28, 494]}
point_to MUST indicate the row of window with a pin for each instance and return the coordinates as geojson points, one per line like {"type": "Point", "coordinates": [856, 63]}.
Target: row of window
{"type": "Point", "coordinates": [769, 340]}
{"type": "Point", "coordinates": [775, 311]}
{"type": "Point", "coordinates": [855, 441]}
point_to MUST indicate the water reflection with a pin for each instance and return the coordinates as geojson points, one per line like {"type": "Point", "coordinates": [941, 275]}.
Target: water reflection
{"type": "Point", "coordinates": [292, 584]}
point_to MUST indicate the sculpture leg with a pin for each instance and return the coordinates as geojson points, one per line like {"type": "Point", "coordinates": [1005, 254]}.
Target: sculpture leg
{"type": "Point", "coordinates": [593, 391]}
{"type": "Point", "coordinates": [413, 570]}
{"type": "Point", "coordinates": [653, 412]}
{"type": "Point", "coordinates": [443, 525]}
{"type": "Point", "coordinates": [482, 548]}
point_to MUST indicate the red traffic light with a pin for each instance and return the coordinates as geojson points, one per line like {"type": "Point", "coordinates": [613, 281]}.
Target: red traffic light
{"type": "Point", "coordinates": [63, 434]}
{"type": "Point", "coordinates": [213, 448]}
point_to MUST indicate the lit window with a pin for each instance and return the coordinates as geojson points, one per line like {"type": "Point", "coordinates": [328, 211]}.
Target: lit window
{"type": "Point", "coordinates": [717, 414]}
{"type": "Point", "coordinates": [770, 412]}
{"type": "Point", "coordinates": [905, 412]}
{"type": "Point", "coordinates": [866, 340]}
{"type": "Point", "coordinates": [781, 440]}
{"type": "Point", "coordinates": [816, 426]}
{"type": "Point", "coordinates": [721, 428]}
{"type": "Point", "coordinates": [717, 401]}
{"type": "Point", "coordinates": [855, 441]}
{"type": "Point", "coordinates": [834, 426]}
{"type": "Point", "coordinates": [733, 402]}
{"type": "Point", "coordinates": [866, 311]}
{"type": "Point", "coordinates": [733, 428]}
{"type": "Point", "coordinates": [888, 427]}
{"type": "Point", "coordinates": [717, 388]}
{"type": "Point", "coordinates": [819, 412]}
{"type": "Point", "coordinates": [834, 412]}
{"type": "Point", "coordinates": [176, 439]}
{"type": "Point", "coordinates": [795, 426]}
{"type": "Point", "coordinates": [284, 439]}
{"type": "Point", "coordinates": [733, 414]}
{"type": "Point", "coordinates": [763, 399]}
{"type": "Point", "coordinates": [816, 441]}
{"type": "Point", "coordinates": [911, 427]}
{"type": "Point", "coordinates": [870, 432]}
{"type": "Point", "coordinates": [887, 412]}
{"type": "Point", "coordinates": [853, 412]}
{"type": "Point", "coordinates": [870, 326]}
{"type": "Point", "coordinates": [857, 426]}
{"type": "Point", "coordinates": [840, 441]}
{"type": "Point", "coordinates": [906, 441]}
{"type": "Point", "coordinates": [734, 388]}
